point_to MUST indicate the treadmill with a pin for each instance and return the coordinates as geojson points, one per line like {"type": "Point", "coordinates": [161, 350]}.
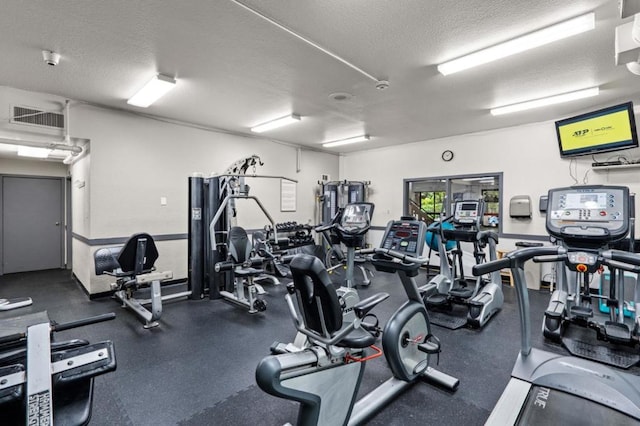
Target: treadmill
{"type": "Point", "coordinates": [548, 388]}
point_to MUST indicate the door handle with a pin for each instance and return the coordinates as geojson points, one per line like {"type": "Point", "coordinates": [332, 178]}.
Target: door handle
{"type": "Point", "coordinates": [57, 223]}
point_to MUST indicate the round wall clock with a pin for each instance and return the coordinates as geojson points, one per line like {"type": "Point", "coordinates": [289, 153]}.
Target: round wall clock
{"type": "Point", "coordinates": [447, 155]}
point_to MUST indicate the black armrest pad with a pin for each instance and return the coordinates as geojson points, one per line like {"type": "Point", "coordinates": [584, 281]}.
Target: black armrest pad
{"type": "Point", "coordinates": [363, 307]}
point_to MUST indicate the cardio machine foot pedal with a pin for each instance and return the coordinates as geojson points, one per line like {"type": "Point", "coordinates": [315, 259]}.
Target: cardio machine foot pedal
{"type": "Point", "coordinates": [578, 342]}
{"type": "Point", "coordinates": [431, 346]}
{"type": "Point", "coordinates": [437, 300]}
{"type": "Point", "coordinates": [616, 332]}
{"type": "Point", "coordinates": [582, 311]}
{"type": "Point", "coordinates": [452, 320]}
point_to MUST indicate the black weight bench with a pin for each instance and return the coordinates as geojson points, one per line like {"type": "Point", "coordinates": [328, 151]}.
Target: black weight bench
{"type": "Point", "coordinates": [133, 267]}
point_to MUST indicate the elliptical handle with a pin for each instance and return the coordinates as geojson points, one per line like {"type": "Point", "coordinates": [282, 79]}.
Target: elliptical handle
{"type": "Point", "coordinates": [324, 228]}
{"type": "Point", "coordinates": [622, 256]}
{"type": "Point", "coordinates": [621, 265]}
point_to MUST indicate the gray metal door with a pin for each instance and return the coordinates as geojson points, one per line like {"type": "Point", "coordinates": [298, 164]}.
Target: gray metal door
{"type": "Point", "coordinates": [32, 225]}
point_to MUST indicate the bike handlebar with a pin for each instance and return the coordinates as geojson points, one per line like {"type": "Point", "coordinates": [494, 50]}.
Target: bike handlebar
{"type": "Point", "coordinates": [395, 254]}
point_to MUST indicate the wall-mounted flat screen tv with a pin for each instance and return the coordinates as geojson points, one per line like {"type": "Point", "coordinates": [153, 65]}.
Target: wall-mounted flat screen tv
{"type": "Point", "coordinates": [605, 130]}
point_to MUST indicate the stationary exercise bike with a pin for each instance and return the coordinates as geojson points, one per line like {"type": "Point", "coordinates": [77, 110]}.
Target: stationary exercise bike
{"type": "Point", "coordinates": [325, 378]}
{"type": "Point", "coordinates": [349, 226]}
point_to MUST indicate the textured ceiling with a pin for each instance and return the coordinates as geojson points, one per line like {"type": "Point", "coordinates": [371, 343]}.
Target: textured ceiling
{"type": "Point", "coordinates": [235, 69]}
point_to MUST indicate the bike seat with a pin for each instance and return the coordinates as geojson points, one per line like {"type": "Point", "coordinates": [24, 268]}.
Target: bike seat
{"type": "Point", "coordinates": [359, 338]}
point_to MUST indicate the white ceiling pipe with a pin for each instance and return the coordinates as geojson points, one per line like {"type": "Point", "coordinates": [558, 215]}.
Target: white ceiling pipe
{"type": "Point", "coordinates": [74, 149]}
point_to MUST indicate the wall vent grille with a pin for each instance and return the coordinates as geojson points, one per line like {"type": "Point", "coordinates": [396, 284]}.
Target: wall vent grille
{"type": "Point", "coordinates": [36, 117]}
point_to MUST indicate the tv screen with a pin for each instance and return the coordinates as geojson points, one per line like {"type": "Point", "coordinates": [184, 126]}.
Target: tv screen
{"type": "Point", "coordinates": [608, 129]}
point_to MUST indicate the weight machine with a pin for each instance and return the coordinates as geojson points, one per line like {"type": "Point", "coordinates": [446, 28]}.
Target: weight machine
{"type": "Point", "coordinates": [212, 211]}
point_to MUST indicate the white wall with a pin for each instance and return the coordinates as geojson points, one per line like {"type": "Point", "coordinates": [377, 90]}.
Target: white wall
{"type": "Point", "coordinates": [527, 155]}
{"type": "Point", "coordinates": [134, 161]}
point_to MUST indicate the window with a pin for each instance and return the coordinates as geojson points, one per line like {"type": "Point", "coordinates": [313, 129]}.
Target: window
{"type": "Point", "coordinates": [428, 198]}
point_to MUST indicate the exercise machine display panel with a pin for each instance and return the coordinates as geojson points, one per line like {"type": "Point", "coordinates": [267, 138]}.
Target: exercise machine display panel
{"type": "Point", "coordinates": [405, 236]}
{"type": "Point", "coordinates": [356, 215]}
{"type": "Point", "coordinates": [585, 213]}
{"type": "Point", "coordinates": [467, 212]}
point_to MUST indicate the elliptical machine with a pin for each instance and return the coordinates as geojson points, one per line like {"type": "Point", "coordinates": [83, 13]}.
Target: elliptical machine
{"type": "Point", "coordinates": [572, 314]}
{"type": "Point", "coordinates": [325, 377]}
{"type": "Point", "coordinates": [548, 388]}
{"type": "Point", "coordinates": [354, 222]}
{"type": "Point", "coordinates": [485, 298]}
{"type": "Point", "coordinates": [348, 227]}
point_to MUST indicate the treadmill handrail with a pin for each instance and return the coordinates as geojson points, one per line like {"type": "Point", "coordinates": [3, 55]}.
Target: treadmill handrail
{"type": "Point", "coordinates": [511, 259]}
{"type": "Point", "coordinates": [515, 261]}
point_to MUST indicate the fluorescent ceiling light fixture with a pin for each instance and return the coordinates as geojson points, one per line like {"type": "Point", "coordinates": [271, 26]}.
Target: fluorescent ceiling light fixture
{"type": "Point", "coordinates": [551, 100]}
{"type": "Point", "coordinates": [8, 147]}
{"type": "Point", "coordinates": [29, 151]}
{"type": "Point", "coordinates": [155, 88]}
{"type": "Point", "coordinates": [274, 124]}
{"type": "Point", "coordinates": [355, 139]}
{"type": "Point", "coordinates": [541, 37]}
{"type": "Point", "coordinates": [475, 179]}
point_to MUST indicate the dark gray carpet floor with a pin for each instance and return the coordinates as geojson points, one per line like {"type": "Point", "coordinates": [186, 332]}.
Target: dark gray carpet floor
{"type": "Point", "coordinates": [198, 367]}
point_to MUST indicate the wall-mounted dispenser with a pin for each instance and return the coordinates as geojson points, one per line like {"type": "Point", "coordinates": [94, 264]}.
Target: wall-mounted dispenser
{"type": "Point", "coordinates": [520, 206]}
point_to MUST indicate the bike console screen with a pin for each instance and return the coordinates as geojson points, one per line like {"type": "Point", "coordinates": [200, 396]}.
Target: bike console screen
{"type": "Point", "coordinates": [589, 214]}
{"type": "Point", "coordinates": [405, 236]}
{"type": "Point", "coordinates": [356, 215]}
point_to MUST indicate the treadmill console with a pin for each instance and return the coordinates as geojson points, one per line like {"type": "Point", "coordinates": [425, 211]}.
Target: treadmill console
{"type": "Point", "coordinates": [588, 214]}
{"type": "Point", "coordinates": [468, 212]}
{"type": "Point", "coordinates": [405, 236]}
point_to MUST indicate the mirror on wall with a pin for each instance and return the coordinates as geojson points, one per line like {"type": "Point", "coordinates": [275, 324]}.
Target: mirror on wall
{"type": "Point", "coordinates": [429, 198]}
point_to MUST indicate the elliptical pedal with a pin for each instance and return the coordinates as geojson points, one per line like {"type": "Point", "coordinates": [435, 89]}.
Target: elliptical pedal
{"type": "Point", "coordinates": [617, 332]}
{"type": "Point", "coordinates": [437, 299]}
{"type": "Point", "coordinates": [582, 311]}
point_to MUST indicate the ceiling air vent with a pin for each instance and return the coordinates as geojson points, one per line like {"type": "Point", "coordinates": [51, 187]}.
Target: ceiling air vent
{"type": "Point", "coordinates": [37, 117]}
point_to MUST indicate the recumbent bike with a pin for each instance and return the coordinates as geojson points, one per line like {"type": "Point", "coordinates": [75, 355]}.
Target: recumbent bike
{"type": "Point", "coordinates": [325, 377]}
